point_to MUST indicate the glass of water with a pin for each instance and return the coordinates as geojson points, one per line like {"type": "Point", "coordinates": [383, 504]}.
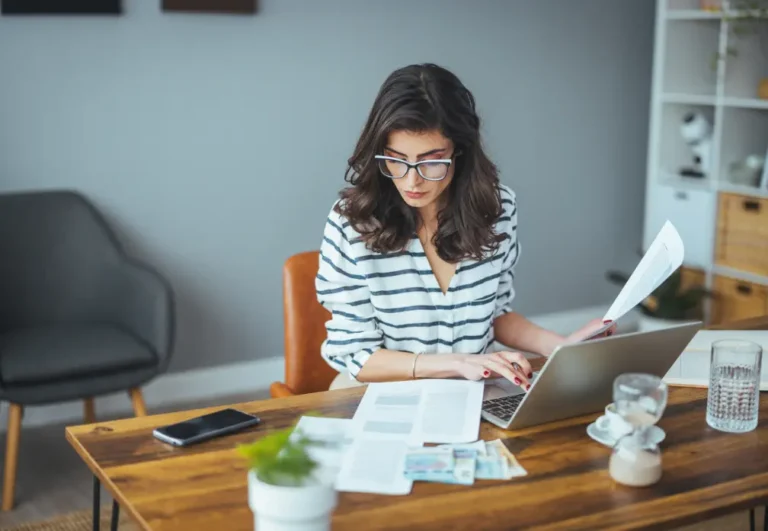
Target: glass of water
{"type": "Point", "coordinates": [734, 385]}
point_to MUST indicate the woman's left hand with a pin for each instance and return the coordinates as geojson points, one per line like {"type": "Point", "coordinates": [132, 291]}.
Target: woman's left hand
{"type": "Point", "coordinates": [589, 330]}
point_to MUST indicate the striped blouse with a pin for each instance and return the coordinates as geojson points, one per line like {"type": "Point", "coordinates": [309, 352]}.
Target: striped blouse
{"type": "Point", "coordinates": [393, 300]}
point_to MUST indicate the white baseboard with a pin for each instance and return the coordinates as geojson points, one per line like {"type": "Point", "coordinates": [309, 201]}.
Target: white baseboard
{"type": "Point", "coordinates": [194, 385]}
{"type": "Point", "coordinates": [253, 376]}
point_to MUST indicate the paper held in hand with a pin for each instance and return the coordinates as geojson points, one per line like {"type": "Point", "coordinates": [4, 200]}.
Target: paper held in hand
{"type": "Point", "coordinates": [661, 259]}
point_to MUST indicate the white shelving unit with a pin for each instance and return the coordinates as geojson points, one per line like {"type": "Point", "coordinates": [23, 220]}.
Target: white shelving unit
{"type": "Point", "coordinates": [694, 70]}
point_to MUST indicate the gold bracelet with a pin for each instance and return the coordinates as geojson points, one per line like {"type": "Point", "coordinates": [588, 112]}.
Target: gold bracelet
{"type": "Point", "coordinates": [413, 369]}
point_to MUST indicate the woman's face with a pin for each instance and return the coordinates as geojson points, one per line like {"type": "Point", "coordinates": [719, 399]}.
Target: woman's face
{"type": "Point", "coordinates": [416, 191]}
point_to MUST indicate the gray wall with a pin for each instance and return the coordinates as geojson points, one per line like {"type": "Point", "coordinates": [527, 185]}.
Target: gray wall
{"type": "Point", "coordinates": [216, 144]}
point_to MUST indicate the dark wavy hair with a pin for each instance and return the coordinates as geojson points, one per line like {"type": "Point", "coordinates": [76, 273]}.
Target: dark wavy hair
{"type": "Point", "coordinates": [422, 98]}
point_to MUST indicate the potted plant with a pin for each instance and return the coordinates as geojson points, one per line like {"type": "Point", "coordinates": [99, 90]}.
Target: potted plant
{"type": "Point", "coordinates": [670, 303]}
{"type": "Point", "coordinates": [284, 490]}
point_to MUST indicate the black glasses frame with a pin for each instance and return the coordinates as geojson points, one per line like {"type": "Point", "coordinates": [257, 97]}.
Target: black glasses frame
{"type": "Point", "coordinates": [417, 166]}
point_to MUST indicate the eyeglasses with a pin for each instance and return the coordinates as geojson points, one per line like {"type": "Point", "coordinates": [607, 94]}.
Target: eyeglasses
{"type": "Point", "coordinates": [430, 170]}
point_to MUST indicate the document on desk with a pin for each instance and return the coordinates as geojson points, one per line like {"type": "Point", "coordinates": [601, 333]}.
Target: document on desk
{"type": "Point", "coordinates": [661, 259]}
{"type": "Point", "coordinates": [396, 416]}
{"type": "Point", "coordinates": [421, 411]}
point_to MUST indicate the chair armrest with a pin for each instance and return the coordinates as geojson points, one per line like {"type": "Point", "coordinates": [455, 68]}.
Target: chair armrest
{"type": "Point", "coordinates": [280, 390]}
{"type": "Point", "coordinates": [141, 301]}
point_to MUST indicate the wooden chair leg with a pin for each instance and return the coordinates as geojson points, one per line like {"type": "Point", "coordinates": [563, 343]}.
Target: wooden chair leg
{"type": "Point", "coordinates": [89, 411]}
{"type": "Point", "coordinates": [139, 407]}
{"type": "Point", "coordinates": [15, 413]}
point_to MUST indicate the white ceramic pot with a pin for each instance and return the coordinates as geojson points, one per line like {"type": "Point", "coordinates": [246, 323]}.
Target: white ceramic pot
{"type": "Point", "coordinates": [646, 323]}
{"type": "Point", "coordinates": [277, 508]}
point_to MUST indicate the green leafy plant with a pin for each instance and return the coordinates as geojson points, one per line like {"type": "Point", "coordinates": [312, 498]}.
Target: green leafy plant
{"type": "Point", "coordinates": [670, 300]}
{"type": "Point", "coordinates": [281, 458]}
{"type": "Point", "coordinates": [743, 18]}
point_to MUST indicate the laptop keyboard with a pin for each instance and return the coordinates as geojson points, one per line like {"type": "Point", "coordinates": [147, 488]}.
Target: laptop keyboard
{"type": "Point", "coordinates": [503, 407]}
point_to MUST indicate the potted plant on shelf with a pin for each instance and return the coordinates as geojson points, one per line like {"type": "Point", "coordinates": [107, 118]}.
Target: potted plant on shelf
{"type": "Point", "coordinates": [284, 490]}
{"type": "Point", "coordinates": [668, 304]}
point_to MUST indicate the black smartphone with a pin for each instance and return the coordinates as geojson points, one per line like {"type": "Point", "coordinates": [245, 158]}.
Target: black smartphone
{"type": "Point", "coordinates": [206, 427]}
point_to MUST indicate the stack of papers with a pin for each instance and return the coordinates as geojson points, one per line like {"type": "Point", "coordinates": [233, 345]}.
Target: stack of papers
{"type": "Point", "coordinates": [392, 420]}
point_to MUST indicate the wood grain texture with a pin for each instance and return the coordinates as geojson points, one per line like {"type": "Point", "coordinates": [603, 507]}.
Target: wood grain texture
{"type": "Point", "coordinates": [706, 474]}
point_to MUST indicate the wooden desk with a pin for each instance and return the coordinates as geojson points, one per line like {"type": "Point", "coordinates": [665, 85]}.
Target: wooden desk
{"type": "Point", "coordinates": [706, 474]}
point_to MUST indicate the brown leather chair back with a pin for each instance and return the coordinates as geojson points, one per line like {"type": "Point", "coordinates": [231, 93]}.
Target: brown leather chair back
{"type": "Point", "coordinates": [305, 370]}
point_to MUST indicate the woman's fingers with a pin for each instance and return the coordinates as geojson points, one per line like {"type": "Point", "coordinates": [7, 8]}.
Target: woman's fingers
{"type": "Point", "coordinates": [505, 369]}
{"type": "Point", "coordinates": [517, 360]}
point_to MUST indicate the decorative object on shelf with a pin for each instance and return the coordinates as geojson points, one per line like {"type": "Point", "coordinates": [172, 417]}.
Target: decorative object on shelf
{"type": "Point", "coordinates": [742, 16]}
{"type": "Point", "coordinates": [746, 172]}
{"type": "Point", "coordinates": [697, 133]}
{"type": "Point", "coordinates": [762, 89]}
{"type": "Point", "coordinates": [764, 178]}
{"type": "Point", "coordinates": [714, 6]}
{"type": "Point", "coordinates": [284, 491]}
{"type": "Point", "coordinates": [211, 6]}
{"type": "Point", "coordinates": [668, 304]}
{"type": "Point", "coordinates": [61, 7]}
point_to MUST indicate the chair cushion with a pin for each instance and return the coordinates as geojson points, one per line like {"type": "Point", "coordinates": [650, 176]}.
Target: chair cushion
{"type": "Point", "coordinates": [38, 355]}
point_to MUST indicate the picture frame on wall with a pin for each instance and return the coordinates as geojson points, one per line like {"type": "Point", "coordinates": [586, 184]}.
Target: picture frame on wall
{"type": "Point", "coordinates": [61, 7]}
{"type": "Point", "coordinates": [243, 7]}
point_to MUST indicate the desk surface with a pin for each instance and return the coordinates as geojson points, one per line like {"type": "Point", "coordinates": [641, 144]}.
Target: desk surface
{"type": "Point", "coordinates": [706, 474]}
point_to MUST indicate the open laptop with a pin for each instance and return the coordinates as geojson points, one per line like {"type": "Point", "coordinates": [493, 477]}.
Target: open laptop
{"type": "Point", "coordinates": [577, 379]}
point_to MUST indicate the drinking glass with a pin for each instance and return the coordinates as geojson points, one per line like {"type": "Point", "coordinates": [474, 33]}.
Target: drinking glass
{"type": "Point", "coordinates": [734, 385]}
{"type": "Point", "coordinates": [640, 400]}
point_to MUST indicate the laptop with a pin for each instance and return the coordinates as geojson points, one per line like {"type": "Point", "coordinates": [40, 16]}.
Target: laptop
{"type": "Point", "coordinates": [577, 378]}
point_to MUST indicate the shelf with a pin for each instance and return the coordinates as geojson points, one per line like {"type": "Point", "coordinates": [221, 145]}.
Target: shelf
{"type": "Point", "coordinates": [745, 69]}
{"type": "Point", "coordinates": [745, 132]}
{"type": "Point", "coordinates": [689, 48]}
{"type": "Point", "coordinates": [693, 14]}
{"type": "Point", "coordinates": [739, 275]}
{"type": "Point", "coordinates": [746, 103]}
{"type": "Point", "coordinates": [677, 182]}
{"type": "Point", "coordinates": [698, 99]}
{"type": "Point", "coordinates": [751, 191]}
{"type": "Point", "coordinates": [688, 99]}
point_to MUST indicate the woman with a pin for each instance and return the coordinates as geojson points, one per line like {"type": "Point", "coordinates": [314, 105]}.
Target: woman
{"type": "Point", "coordinates": [418, 255]}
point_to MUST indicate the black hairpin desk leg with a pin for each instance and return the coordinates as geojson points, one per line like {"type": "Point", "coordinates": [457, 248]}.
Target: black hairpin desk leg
{"type": "Point", "coordinates": [115, 515]}
{"type": "Point", "coordinates": [97, 508]}
{"type": "Point", "coordinates": [96, 503]}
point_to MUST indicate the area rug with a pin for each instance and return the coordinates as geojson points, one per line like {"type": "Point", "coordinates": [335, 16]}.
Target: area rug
{"type": "Point", "coordinates": [77, 521]}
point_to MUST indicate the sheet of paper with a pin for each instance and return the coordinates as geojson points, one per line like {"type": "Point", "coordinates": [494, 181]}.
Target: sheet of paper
{"type": "Point", "coordinates": [375, 465]}
{"type": "Point", "coordinates": [421, 411]}
{"type": "Point", "coordinates": [702, 341]}
{"type": "Point", "coordinates": [661, 259]}
{"type": "Point", "coordinates": [334, 434]}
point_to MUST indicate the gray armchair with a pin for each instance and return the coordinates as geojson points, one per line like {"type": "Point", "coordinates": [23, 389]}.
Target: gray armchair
{"type": "Point", "coordinates": [78, 318]}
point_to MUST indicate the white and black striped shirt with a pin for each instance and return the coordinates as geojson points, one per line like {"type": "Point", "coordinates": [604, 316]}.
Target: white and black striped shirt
{"type": "Point", "coordinates": [393, 300]}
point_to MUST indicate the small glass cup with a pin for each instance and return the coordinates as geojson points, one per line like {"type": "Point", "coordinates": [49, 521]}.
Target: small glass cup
{"type": "Point", "coordinates": [733, 398]}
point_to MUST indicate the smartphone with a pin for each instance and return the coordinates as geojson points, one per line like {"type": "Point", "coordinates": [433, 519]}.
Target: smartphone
{"type": "Point", "coordinates": [206, 427]}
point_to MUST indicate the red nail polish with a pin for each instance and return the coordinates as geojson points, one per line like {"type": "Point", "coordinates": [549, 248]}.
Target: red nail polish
{"type": "Point", "coordinates": [486, 373]}
{"type": "Point", "coordinates": [530, 375]}
{"type": "Point", "coordinates": [517, 381]}
{"type": "Point", "coordinates": [607, 321]}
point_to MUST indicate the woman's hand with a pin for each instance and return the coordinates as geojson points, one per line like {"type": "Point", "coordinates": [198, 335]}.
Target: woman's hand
{"type": "Point", "coordinates": [510, 365]}
{"type": "Point", "coordinates": [588, 331]}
